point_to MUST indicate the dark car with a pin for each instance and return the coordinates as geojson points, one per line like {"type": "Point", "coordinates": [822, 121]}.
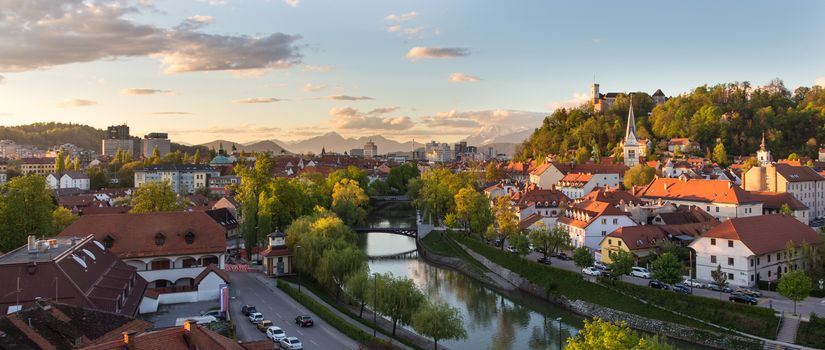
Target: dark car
{"type": "Point", "coordinates": [543, 260]}
{"type": "Point", "coordinates": [657, 284]}
{"type": "Point", "coordinates": [743, 298]}
{"type": "Point", "coordinates": [749, 292]}
{"type": "Point", "coordinates": [562, 256]}
{"type": "Point", "coordinates": [304, 321]}
{"type": "Point", "coordinates": [680, 288]}
{"type": "Point", "coordinates": [248, 309]}
{"type": "Point", "coordinates": [715, 287]}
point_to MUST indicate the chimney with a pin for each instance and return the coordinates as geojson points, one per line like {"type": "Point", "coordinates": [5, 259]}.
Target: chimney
{"type": "Point", "coordinates": [32, 244]}
{"type": "Point", "coordinates": [129, 339]}
{"type": "Point", "coordinates": [188, 324]}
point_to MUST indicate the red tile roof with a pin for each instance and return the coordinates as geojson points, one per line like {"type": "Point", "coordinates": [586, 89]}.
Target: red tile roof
{"type": "Point", "coordinates": [696, 190]}
{"type": "Point", "coordinates": [766, 233]}
{"type": "Point", "coordinates": [775, 200]}
{"type": "Point", "coordinates": [798, 173]}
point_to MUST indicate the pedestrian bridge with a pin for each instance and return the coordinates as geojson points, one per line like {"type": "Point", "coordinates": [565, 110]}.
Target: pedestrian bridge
{"type": "Point", "coordinates": [412, 254]}
{"type": "Point", "coordinates": [404, 231]}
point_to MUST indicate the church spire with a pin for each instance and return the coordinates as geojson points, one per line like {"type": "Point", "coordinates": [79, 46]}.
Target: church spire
{"type": "Point", "coordinates": [762, 145]}
{"type": "Point", "coordinates": [630, 136]}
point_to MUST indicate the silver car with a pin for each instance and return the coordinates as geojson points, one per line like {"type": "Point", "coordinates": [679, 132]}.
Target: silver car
{"type": "Point", "coordinates": [290, 343]}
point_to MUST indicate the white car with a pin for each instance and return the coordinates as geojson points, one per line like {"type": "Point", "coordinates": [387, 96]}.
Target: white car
{"type": "Point", "coordinates": [256, 317]}
{"type": "Point", "coordinates": [592, 271]}
{"type": "Point", "coordinates": [640, 272]}
{"type": "Point", "coordinates": [290, 343]}
{"type": "Point", "coordinates": [275, 333]}
{"type": "Point", "coordinates": [693, 283]}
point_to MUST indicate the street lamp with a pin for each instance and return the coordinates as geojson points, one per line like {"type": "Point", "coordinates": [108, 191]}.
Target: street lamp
{"type": "Point", "coordinates": [558, 319]}
{"type": "Point", "coordinates": [374, 303]}
{"type": "Point", "coordinates": [299, 270]}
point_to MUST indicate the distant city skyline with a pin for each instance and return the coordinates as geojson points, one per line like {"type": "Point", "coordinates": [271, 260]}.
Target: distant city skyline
{"type": "Point", "coordinates": [289, 70]}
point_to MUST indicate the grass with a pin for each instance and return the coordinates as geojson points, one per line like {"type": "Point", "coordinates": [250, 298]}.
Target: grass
{"type": "Point", "coordinates": [812, 333]}
{"type": "Point", "coordinates": [316, 289]}
{"type": "Point", "coordinates": [756, 321]}
{"type": "Point", "coordinates": [330, 317]}
{"type": "Point", "coordinates": [447, 247]}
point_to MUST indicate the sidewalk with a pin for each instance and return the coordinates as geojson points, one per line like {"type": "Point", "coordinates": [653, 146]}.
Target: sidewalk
{"type": "Point", "coordinates": [270, 283]}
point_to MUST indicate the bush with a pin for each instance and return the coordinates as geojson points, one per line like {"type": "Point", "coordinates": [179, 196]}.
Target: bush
{"type": "Point", "coordinates": [812, 333]}
{"type": "Point", "coordinates": [818, 293]}
{"type": "Point", "coordinates": [765, 285]}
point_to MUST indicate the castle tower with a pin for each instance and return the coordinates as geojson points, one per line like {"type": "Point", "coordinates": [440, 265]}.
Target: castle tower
{"type": "Point", "coordinates": [632, 148]}
{"type": "Point", "coordinates": [594, 93]}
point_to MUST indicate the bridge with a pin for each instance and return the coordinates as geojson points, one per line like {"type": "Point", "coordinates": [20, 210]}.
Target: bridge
{"type": "Point", "coordinates": [404, 231]}
{"type": "Point", "coordinates": [400, 198]}
{"type": "Point", "coordinates": [412, 254]}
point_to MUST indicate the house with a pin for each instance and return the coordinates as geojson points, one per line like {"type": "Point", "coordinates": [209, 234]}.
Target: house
{"type": "Point", "coordinates": [577, 185]}
{"type": "Point", "coordinates": [184, 178]}
{"type": "Point", "coordinates": [498, 190]}
{"type": "Point", "coordinates": [69, 179]}
{"type": "Point", "coordinates": [803, 182]}
{"type": "Point", "coordinates": [682, 145]}
{"type": "Point", "coordinates": [545, 203]}
{"type": "Point", "coordinates": [589, 221]}
{"type": "Point", "coordinates": [39, 166]}
{"type": "Point", "coordinates": [52, 325]}
{"type": "Point", "coordinates": [772, 203]}
{"type": "Point", "coordinates": [71, 269]}
{"type": "Point", "coordinates": [277, 258]}
{"type": "Point", "coordinates": [224, 217]}
{"type": "Point", "coordinates": [751, 249]}
{"type": "Point", "coordinates": [186, 337]}
{"type": "Point", "coordinates": [168, 249]}
{"type": "Point", "coordinates": [543, 177]}
{"type": "Point", "coordinates": [719, 198]}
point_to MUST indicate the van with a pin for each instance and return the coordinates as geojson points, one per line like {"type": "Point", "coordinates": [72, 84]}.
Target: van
{"type": "Point", "coordinates": [197, 319]}
{"type": "Point", "coordinates": [640, 272]}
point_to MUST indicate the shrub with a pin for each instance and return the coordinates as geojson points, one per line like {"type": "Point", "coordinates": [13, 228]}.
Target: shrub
{"type": "Point", "coordinates": [812, 333]}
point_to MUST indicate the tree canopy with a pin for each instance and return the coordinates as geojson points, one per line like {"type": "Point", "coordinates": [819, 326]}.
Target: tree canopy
{"type": "Point", "coordinates": [795, 285]}
{"type": "Point", "coordinates": [155, 197]}
{"type": "Point", "coordinates": [666, 268]}
{"type": "Point", "coordinates": [604, 335]}
{"type": "Point", "coordinates": [25, 208]}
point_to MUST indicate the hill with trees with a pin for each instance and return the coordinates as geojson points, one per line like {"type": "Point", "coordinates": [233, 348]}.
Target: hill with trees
{"type": "Point", "coordinates": [733, 114]}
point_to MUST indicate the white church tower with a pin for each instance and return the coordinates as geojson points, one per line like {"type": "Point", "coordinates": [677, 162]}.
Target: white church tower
{"type": "Point", "coordinates": [763, 154]}
{"type": "Point", "coordinates": [633, 147]}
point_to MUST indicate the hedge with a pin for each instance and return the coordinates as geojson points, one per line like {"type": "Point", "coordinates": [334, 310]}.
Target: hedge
{"type": "Point", "coordinates": [812, 333]}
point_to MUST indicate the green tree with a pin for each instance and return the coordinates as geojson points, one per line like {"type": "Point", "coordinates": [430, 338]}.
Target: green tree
{"type": "Point", "coordinates": [793, 156]}
{"type": "Point", "coordinates": [338, 263]}
{"type": "Point", "coordinates": [60, 162]}
{"type": "Point", "coordinates": [351, 173]}
{"type": "Point", "coordinates": [621, 262]}
{"type": "Point", "coordinates": [155, 197]}
{"type": "Point", "coordinates": [582, 257]}
{"type": "Point", "coordinates": [155, 155]}
{"type": "Point", "coordinates": [398, 299]}
{"type": "Point", "coordinates": [540, 238]}
{"type": "Point", "coordinates": [196, 159]}
{"type": "Point", "coordinates": [720, 278]}
{"type": "Point", "coordinates": [506, 221]}
{"type": "Point", "coordinates": [666, 268]}
{"type": "Point", "coordinates": [62, 218]}
{"type": "Point", "coordinates": [720, 156]}
{"type": "Point", "coordinates": [358, 286]}
{"type": "Point", "coordinates": [582, 155]}
{"type": "Point", "coordinates": [249, 227]}
{"type": "Point", "coordinates": [439, 321]}
{"type": "Point", "coordinates": [25, 209]}
{"type": "Point", "coordinates": [348, 199]}
{"type": "Point", "coordinates": [794, 285]}
{"type": "Point", "coordinates": [786, 210]}
{"type": "Point", "coordinates": [472, 210]}
{"type": "Point", "coordinates": [492, 173]}
{"type": "Point", "coordinates": [604, 335]}
{"type": "Point", "coordinates": [97, 178]}
{"type": "Point", "coordinates": [520, 243]}
{"type": "Point", "coordinates": [400, 176]}
{"type": "Point", "coordinates": [639, 175]}
{"type": "Point", "coordinates": [76, 164]}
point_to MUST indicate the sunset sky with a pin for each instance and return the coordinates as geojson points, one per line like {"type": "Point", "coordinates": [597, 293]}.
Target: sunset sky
{"type": "Point", "coordinates": [441, 69]}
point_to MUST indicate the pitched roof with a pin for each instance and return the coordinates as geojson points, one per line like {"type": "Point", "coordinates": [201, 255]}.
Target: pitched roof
{"type": "Point", "coordinates": [173, 338]}
{"type": "Point", "coordinates": [223, 217]}
{"type": "Point", "coordinates": [766, 233]}
{"type": "Point", "coordinates": [540, 169]}
{"type": "Point", "coordinates": [685, 214]}
{"type": "Point", "coordinates": [639, 237]}
{"type": "Point", "coordinates": [210, 269]}
{"type": "Point", "coordinates": [798, 173]}
{"type": "Point", "coordinates": [775, 200]}
{"type": "Point", "coordinates": [658, 93]}
{"type": "Point", "coordinates": [538, 197]}
{"type": "Point", "coordinates": [134, 234]}
{"type": "Point", "coordinates": [696, 190]}
{"type": "Point", "coordinates": [612, 195]}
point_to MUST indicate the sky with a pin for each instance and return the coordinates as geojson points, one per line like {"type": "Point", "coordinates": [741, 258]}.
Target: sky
{"type": "Point", "coordinates": [291, 69]}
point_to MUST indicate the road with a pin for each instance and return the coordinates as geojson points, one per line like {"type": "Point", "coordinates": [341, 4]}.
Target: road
{"type": "Point", "coordinates": [281, 309]}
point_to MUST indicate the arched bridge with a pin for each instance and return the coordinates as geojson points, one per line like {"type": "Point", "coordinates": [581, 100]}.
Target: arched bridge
{"type": "Point", "coordinates": [404, 231]}
{"type": "Point", "coordinates": [412, 254]}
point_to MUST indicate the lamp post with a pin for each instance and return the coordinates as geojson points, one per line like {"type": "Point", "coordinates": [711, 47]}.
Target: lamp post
{"type": "Point", "coordinates": [374, 303]}
{"type": "Point", "coordinates": [299, 270]}
{"type": "Point", "coordinates": [558, 319]}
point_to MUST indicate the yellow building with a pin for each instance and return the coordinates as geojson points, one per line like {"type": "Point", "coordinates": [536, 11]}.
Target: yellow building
{"type": "Point", "coordinates": [40, 166]}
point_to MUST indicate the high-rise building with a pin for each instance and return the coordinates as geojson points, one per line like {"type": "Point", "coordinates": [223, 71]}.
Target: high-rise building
{"type": "Point", "coordinates": [117, 138]}
{"type": "Point", "coordinates": [370, 149]}
{"type": "Point", "coordinates": [156, 139]}
{"type": "Point", "coordinates": [118, 132]}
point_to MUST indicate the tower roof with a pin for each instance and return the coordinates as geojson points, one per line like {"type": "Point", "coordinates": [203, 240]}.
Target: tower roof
{"type": "Point", "coordinates": [630, 137]}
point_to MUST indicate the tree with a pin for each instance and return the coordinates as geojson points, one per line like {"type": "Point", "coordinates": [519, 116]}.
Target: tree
{"type": "Point", "coordinates": [506, 221]}
{"type": "Point", "coordinates": [196, 159]}
{"type": "Point", "coordinates": [604, 335]}
{"type": "Point", "coordinates": [155, 155]}
{"type": "Point", "coordinates": [793, 156]}
{"type": "Point", "coordinates": [720, 156]}
{"type": "Point", "coordinates": [97, 178]}
{"type": "Point", "coordinates": [398, 298]}
{"type": "Point", "coordinates": [348, 199]}
{"type": "Point", "coordinates": [60, 162]}
{"type": "Point", "coordinates": [794, 285]}
{"type": "Point", "coordinates": [786, 210]}
{"type": "Point", "coordinates": [492, 173]}
{"type": "Point", "coordinates": [720, 278]}
{"type": "Point", "coordinates": [25, 209]}
{"type": "Point", "coordinates": [540, 238]}
{"type": "Point", "coordinates": [472, 210]}
{"type": "Point", "coordinates": [62, 218]}
{"type": "Point", "coordinates": [400, 176]}
{"type": "Point", "coordinates": [338, 263]}
{"type": "Point", "coordinates": [622, 262]}
{"type": "Point", "coordinates": [666, 268]}
{"type": "Point", "coordinates": [639, 175]}
{"type": "Point", "coordinates": [520, 243]}
{"type": "Point", "coordinates": [582, 257]}
{"type": "Point", "coordinates": [358, 286]}
{"type": "Point", "coordinates": [439, 321]}
{"type": "Point", "coordinates": [76, 164]}
{"type": "Point", "coordinates": [582, 154]}
{"type": "Point", "coordinates": [155, 197]}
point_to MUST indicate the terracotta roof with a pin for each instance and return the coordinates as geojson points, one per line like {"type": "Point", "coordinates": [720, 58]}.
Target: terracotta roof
{"type": "Point", "coordinates": [612, 195]}
{"type": "Point", "coordinates": [798, 173]}
{"type": "Point", "coordinates": [134, 234]}
{"type": "Point", "coordinates": [686, 215]}
{"type": "Point", "coordinates": [540, 169]}
{"type": "Point", "coordinates": [539, 197]}
{"type": "Point", "coordinates": [269, 252]}
{"type": "Point", "coordinates": [766, 233]}
{"type": "Point", "coordinates": [529, 221]}
{"type": "Point", "coordinates": [577, 177]}
{"type": "Point", "coordinates": [697, 190]}
{"type": "Point", "coordinates": [775, 200]}
{"type": "Point", "coordinates": [593, 209]}
{"type": "Point", "coordinates": [639, 237]}
{"type": "Point", "coordinates": [173, 338]}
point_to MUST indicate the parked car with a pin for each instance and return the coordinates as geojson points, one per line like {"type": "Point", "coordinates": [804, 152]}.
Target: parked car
{"type": "Point", "coordinates": [304, 321]}
{"type": "Point", "coordinates": [256, 317]}
{"type": "Point", "coordinates": [716, 288]}
{"type": "Point", "coordinates": [248, 309]}
{"type": "Point", "coordinates": [498, 242]}
{"type": "Point", "coordinates": [680, 288]}
{"type": "Point", "coordinates": [290, 343]}
{"type": "Point", "coordinates": [743, 298]}
{"type": "Point", "coordinates": [264, 325]}
{"type": "Point", "coordinates": [592, 271]}
{"type": "Point", "coordinates": [214, 313]}
{"type": "Point", "coordinates": [693, 283]}
{"type": "Point", "coordinates": [657, 284]}
{"type": "Point", "coordinates": [511, 249]}
{"type": "Point", "coordinates": [543, 260]}
{"type": "Point", "coordinates": [640, 272]}
{"type": "Point", "coordinates": [562, 256]}
{"type": "Point", "coordinates": [749, 291]}
{"type": "Point", "coordinates": [601, 266]}
{"type": "Point", "coordinates": [275, 333]}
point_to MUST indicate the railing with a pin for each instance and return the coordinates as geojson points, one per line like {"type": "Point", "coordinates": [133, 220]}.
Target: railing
{"type": "Point", "coordinates": [174, 289]}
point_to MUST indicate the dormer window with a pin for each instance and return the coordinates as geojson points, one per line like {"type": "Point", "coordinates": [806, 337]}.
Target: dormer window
{"type": "Point", "coordinates": [160, 239]}
{"type": "Point", "coordinates": [189, 237]}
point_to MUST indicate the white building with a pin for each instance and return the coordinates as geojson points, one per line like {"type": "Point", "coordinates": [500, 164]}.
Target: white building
{"type": "Point", "coordinates": [440, 153]}
{"type": "Point", "coordinates": [633, 147]}
{"type": "Point", "coordinates": [70, 179]}
{"type": "Point", "coordinates": [370, 149]}
{"type": "Point", "coordinates": [155, 139]}
{"type": "Point", "coordinates": [184, 178]}
{"type": "Point", "coordinates": [719, 198]}
{"type": "Point", "coordinates": [802, 182]}
{"type": "Point", "coordinates": [752, 249]}
{"type": "Point", "coordinates": [589, 221]}
{"type": "Point", "coordinates": [577, 185]}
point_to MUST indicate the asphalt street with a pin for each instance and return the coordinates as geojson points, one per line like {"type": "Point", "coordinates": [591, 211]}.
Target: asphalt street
{"type": "Point", "coordinates": [281, 309]}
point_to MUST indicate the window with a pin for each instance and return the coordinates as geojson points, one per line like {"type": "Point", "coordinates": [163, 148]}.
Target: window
{"type": "Point", "coordinates": [604, 233]}
{"type": "Point", "coordinates": [615, 221]}
{"type": "Point", "coordinates": [190, 237]}
{"type": "Point", "coordinates": [160, 239]}
{"type": "Point", "coordinates": [730, 243]}
{"type": "Point", "coordinates": [620, 243]}
{"type": "Point", "coordinates": [108, 241]}
{"type": "Point", "coordinates": [713, 259]}
{"type": "Point", "coordinates": [730, 276]}
{"type": "Point", "coordinates": [751, 262]}
{"type": "Point", "coordinates": [717, 209]}
{"type": "Point", "coordinates": [713, 241]}
{"type": "Point", "coordinates": [604, 221]}
{"type": "Point", "coordinates": [777, 257]}
{"type": "Point", "coordinates": [769, 258]}
{"type": "Point", "coordinates": [730, 261]}
{"type": "Point", "coordinates": [610, 242]}
{"type": "Point", "coordinates": [708, 209]}
{"type": "Point", "coordinates": [751, 278]}
{"type": "Point", "coordinates": [758, 261]}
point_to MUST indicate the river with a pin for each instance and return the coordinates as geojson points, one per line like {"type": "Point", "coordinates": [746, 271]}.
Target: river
{"type": "Point", "coordinates": [493, 319]}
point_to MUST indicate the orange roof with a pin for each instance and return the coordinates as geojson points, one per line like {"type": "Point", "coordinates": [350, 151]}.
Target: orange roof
{"type": "Point", "coordinates": [540, 169]}
{"type": "Point", "coordinates": [577, 177]}
{"type": "Point", "coordinates": [696, 190]}
{"type": "Point", "coordinates": [766, 233]}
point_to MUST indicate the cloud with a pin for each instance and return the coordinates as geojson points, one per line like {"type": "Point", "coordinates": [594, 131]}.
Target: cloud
{"type": "Point", "coordinates": [350, 118]}
{"type": "Point", "coordinates": [254, 100]}
{"type": "Point", "coordinates": [483, 118]}
{"type": "Point", "coordinates": [172, 113]}
{"type": "Point", "coordinates": [395, 28]}
{"type": "Point", "coordinates": [459, 77]}
{"type": "Point", "coordinates": [293, 3]}
{"type": "Point", "coordinates": [347, 98]}
{"type": "Point", "coordinates": [382, 110]}
{"type": "Point", "coordinates": [820, 81]}
{"type": "Point", "coordinates": [75, 102]}
{"type": "Point", "coordinates": [143, 92]}
{"type": "Point", "coordinates": [244, 129]}
{"type": "Point", "coordinates": [578, 99]}
{"type": "Point", "coordinates": [2, 80]}
{"type": "Point", "coordinates": [312, 88]}
{"type": "Point", "coordinates": [41, 35]}
{"type": "Point", "coordinates": [417, 53]}
{"type": "Point", "coordinates": [402, 17]}
{"type": "Point", "coordinates": [317, 69]}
